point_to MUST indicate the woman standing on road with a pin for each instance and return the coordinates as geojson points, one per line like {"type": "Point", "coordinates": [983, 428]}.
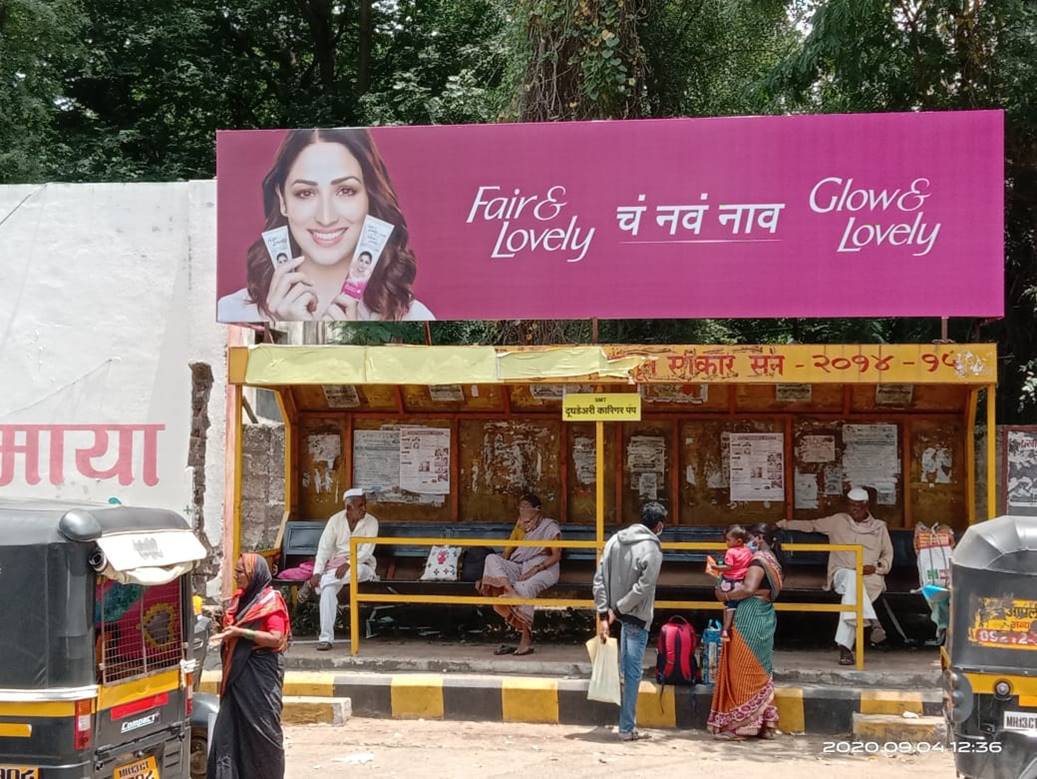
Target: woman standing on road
{"type": "Point", "coordinates": [743, 697]}
{"type": "Point", "coordinates": [247, 742]}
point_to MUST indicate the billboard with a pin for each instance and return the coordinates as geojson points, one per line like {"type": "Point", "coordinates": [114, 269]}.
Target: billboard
{"type": "Point", "coordinates": [897, 214]}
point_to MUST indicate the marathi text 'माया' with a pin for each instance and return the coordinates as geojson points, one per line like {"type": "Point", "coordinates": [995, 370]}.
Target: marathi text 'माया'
{"type": "Point", "coordinates": [93, 458]}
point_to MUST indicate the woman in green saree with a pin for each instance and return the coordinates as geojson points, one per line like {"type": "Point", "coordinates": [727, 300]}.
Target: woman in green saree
{"type": "Point", "coordinates": [743, 696]}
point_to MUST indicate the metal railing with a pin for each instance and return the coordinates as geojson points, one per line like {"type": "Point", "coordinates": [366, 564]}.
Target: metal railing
{"type": "Point", "coordinates": [356, 597]}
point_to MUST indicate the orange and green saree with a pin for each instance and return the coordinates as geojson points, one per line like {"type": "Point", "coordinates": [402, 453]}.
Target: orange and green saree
{"type": "Point", "coordinates": [743, 696]}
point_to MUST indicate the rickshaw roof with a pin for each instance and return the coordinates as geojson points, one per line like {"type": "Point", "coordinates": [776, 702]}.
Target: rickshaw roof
{"type": "Point", "coordinates": [1007, 544]}
{"type": "Point", "coordinates": [30, 522]}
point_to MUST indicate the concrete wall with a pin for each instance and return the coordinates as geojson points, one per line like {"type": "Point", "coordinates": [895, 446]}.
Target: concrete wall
{"type": "Point", "coordinates": [107, 317]}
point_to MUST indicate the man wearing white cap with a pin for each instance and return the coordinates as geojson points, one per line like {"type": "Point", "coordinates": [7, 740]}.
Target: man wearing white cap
{"type": "Point", "coordinates": [331, 567]}
{"type": "Point", "coordinates": [855, 526]}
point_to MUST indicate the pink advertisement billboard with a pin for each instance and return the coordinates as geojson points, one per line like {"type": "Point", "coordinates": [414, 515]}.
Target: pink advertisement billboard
{"type": "Point", "coordinates": [788, 216]}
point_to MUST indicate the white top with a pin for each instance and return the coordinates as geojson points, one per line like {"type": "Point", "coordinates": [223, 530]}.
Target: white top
{"type": "Point", "coordinates": [334, 541]}
{"type": "Point", "coordinates": [236, 307]}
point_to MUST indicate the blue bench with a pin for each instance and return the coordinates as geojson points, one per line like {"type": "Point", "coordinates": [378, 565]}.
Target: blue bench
{"type": "Point", "coordinates": [683, 576]}
{"type": "Point", "coordinates": [805, 571]}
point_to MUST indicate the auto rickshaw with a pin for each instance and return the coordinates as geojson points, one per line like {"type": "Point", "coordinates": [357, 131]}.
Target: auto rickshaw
{"type": "Point", "coordinates": [990, 659]}
{"type": "Point", "coordinates": [96, 634]}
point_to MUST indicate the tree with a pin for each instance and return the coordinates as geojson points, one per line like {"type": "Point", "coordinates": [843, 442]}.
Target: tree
{"type": "Point", "coordinates": [902, 55]}
{"type": "Point", "coordinates": [37, 41]}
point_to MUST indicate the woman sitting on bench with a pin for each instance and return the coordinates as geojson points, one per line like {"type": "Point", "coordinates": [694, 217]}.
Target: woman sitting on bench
{"type": "Point", "coordinates": [523, 572]}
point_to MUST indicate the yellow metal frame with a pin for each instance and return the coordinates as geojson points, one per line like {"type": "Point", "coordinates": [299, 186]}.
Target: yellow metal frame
{"type": "Point", "coordinates": [991, 451]}
{"type": "Point", "coordinates": [970, 454]}
{"type": "Point", "coordinates": [356, 597]}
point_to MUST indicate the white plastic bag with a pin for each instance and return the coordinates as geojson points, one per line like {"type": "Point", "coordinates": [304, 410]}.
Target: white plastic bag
{"type": "Point", "coordinates": [604, 684]}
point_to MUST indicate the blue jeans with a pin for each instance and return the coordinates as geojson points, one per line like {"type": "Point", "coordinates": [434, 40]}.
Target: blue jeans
{"type": "Point", "coordinates": [632, 643]}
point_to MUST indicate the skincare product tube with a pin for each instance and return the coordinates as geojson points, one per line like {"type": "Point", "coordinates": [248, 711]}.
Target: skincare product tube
{"type": "Point", "coordinates": [277, 245]}
{"type": "Point", "coordinates": [373, 236]}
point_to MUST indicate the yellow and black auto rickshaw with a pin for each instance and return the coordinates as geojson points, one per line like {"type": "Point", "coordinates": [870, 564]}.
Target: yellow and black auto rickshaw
{"type": "Point", "coordinates": [96, 665]}
{"type": "Point", "coordinates": [990, 660]}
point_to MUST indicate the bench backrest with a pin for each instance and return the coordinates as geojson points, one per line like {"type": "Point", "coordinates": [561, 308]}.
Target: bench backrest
{"type": "Point", "coordinates": [301, 538]}
{"type": "Point", "coordinates": [904, 556]}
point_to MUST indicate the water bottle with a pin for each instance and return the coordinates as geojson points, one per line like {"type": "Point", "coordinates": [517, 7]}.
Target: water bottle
{"type": "Point", "coordinates": [711, 647]}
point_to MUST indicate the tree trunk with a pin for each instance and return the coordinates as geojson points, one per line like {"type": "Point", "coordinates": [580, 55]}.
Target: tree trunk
{"type": "Point", "coordinates": [364, 63]}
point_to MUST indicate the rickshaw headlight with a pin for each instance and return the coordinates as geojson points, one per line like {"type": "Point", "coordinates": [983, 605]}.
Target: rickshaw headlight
{"type": "Point", "coordinates": [1003, 689]}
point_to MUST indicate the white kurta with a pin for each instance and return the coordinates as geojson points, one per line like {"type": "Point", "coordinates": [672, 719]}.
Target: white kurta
{"type": "Point", "coordinates": [332, 552]}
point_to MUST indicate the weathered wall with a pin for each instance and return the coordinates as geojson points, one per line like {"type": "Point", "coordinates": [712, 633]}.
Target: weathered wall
{"type": "Point", "coordinates": [106, 302]}
{"type": "Point", "coordinates": [262, 487]}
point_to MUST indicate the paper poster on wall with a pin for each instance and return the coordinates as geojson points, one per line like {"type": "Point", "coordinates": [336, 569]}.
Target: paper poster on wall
{"type": "Point", "coordinates": [871, 458]}
{"type": "Point", "coordinates": [446, 393]}
{"type": "Point", "coordinates": [646, 453]}
{"type": "Point", "coordinates": [546, 391]}
{"type": "Point", "coordinates": [719, 477]}
{"type": "Point", "coordinates": [817, 449]}
{"type": "Point", "coordinates": [341, 396]}
{"type": "Point", "coordinates": [793, 393]}
{"type": "Point", "coordinates": [325, 452]}
{"type": "Point", "coordinates": [833, 476]}
{"type": "Point", "coordinates": [1022, 470]}
{"type": "Point", "coordinates": [757, 466]}
{"type": "Point", "coordinates": [936, 465]}
{"type": "Point", "coordinates": [894, 394]}
{"type": "Point", "coordinates": [648, 486]}
{"type": "Point", "coordinates": [694, 394]}
{"type": "Point", "coordinates": [376, 460]}
{"type": "Point", "coordinates": [425, 460]}
{"type": "Point", "coordinates": [806, 490]}
{"type": "Point", "coordinates": [584, 462]}
{"type": "Point", "coordinates": [885, 493]}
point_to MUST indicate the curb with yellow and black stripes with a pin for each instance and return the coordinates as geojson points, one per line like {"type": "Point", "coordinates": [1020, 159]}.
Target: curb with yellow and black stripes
{"type": "Point", "coordinates": [813, 710]}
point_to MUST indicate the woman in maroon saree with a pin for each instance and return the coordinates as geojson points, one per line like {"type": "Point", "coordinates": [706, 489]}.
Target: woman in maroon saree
{"type": "Point", "coordinates": [247, 741]}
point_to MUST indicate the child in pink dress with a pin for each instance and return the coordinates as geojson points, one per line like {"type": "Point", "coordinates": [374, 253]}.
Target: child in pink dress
{"type": "Point", "coordinates": [733, 570]}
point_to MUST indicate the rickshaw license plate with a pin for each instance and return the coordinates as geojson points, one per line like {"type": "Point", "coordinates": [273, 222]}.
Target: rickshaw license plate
{"type": "Point", "coordinates": [1020, 720]}
{"type": "Point", "coordinates": [19, 772]}
{"type": "Point", "coordinates": [142, 769]}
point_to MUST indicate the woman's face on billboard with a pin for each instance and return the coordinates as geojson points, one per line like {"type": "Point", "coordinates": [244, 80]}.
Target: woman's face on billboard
{"type": "Point", "coordinates": [325, 202]}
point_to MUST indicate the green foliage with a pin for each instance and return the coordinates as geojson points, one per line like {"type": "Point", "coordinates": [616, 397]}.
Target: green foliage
{"type": "Point", "coordinates": [583, 59]}
{"type": "Point", "coordinates": [38, 39]}
{"type": "Point", "coordinates": [881, 55]}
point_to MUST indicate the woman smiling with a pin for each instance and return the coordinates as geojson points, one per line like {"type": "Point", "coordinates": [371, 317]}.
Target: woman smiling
{"type": "Point", "coordinates": [322, 185]}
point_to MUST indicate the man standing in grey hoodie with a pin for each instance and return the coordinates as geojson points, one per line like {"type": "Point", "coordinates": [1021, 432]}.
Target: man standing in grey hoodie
{"type": "Point", "coordinates": [624, 592]}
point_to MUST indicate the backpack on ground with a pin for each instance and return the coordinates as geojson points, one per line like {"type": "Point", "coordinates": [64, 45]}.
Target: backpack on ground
{"type": "Point", "coordinates": [675, 663]}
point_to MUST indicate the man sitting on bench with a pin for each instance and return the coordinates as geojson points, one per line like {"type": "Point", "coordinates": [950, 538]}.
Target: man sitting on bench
{"type": "Point", "coordinates": [331, 567]}
{"type": "Point", "coordinates": [856, 526]}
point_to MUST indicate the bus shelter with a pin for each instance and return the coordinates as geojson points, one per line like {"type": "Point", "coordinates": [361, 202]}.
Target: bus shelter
{"type": "Point", "coordinates": [450, 436]}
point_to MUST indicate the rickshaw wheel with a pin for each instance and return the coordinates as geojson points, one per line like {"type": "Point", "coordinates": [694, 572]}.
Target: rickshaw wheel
{"type": "Point", "coordinates": [199, 757]}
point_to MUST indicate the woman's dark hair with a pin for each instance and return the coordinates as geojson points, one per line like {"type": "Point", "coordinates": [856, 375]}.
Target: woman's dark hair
{"type": "Point", "coordinates": [772, 535]}
{"type": "Point", "coordinates": [388, 293]}
{"type": "Point", "coordinates": [738, 532]}
{"type": "Point", "coordinates": [531, 499]}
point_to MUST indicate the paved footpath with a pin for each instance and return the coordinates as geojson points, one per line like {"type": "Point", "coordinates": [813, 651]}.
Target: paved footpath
{"type": "Point", "coordinates": [483, 750]}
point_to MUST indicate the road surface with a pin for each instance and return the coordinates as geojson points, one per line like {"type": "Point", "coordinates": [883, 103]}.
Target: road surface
{"type": "Point", "coordinates": [485, 750]}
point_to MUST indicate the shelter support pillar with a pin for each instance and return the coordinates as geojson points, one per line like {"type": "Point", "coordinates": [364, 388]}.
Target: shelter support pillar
{"type": "Point", "coordinates": [970, 455]}
{"type": "Point", "coordinates": [599, 487]}
{"type": "Point", "coordinates": [237, 361]}
{"type": "Point", "coordinates": [991, 451]}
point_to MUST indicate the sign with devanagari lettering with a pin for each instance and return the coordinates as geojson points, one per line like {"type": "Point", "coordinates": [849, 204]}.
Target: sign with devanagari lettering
{"type": "Point", "coordinates": [121, 454]}
{"type": "Point", "coordinates": [609, 407]}
{"type": "Point", "coordinates": [806, 216]}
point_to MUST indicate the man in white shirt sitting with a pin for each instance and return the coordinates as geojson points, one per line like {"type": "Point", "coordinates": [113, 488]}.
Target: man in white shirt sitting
{"type": "Point", "coordinates": [331, 567]}
{"type": "Point", "coordinates": [854, 526]}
